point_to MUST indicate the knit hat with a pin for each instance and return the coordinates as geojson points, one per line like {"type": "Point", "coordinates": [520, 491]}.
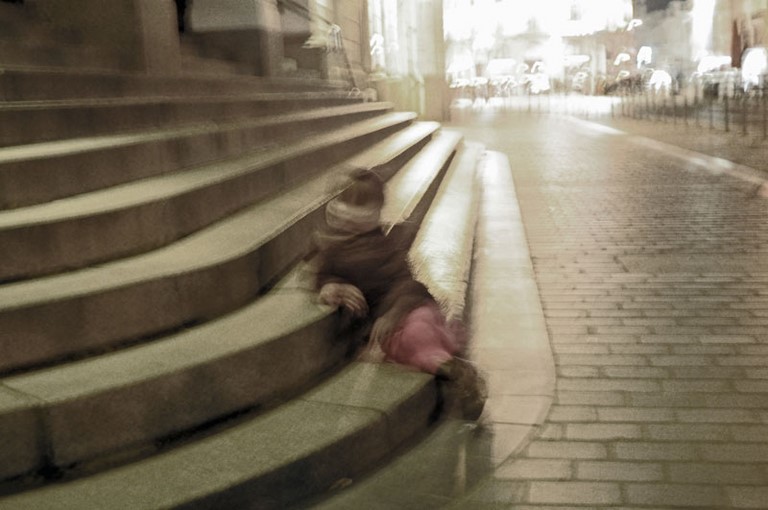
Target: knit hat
{"type": "Point", "coordinates": [357, 209]}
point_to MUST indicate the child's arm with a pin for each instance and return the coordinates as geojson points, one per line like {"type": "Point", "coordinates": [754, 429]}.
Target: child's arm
{"type": "Point", "coordinates": [334, 290]}
{"type": "Point", "coordinates": [346, 295]}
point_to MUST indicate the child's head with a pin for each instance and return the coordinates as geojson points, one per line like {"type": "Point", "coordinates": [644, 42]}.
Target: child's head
{"type": "Point", "coordinates": [365, 189]}
{"type": "Point", "coordinates": [357, 209]}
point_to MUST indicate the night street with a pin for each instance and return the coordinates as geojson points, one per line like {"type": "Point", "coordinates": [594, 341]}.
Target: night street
{"type": "Point", "coordinates": [654, 285]}
{"type": "Point", "coordinates": [383, 255]}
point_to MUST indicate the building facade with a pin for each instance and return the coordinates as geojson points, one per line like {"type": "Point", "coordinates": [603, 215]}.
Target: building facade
{"type": "Point", "coordinates": [692, 36]}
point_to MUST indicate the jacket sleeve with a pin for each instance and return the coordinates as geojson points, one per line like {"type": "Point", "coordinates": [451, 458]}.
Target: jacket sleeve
{"type": "Point", "coordinates": [322, 265]}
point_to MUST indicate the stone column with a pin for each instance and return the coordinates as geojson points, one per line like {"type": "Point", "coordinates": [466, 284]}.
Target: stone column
{"type": "Point", "coordinates": [247, 31]}
{"type": "Point", "coordinates": [271, 44]}
{"type": "Point", "coordinates": [158, 36]}
{"type": "Point", "coordinates": [431, 40]}
{"type": "Point", "coordinates": [141, 34]}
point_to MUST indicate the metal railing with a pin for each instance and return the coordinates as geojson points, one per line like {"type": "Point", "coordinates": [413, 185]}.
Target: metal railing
{"type": "Point", "coordinates": [739, 112]}
{"type": "Point", "coordinates": [745, 114]}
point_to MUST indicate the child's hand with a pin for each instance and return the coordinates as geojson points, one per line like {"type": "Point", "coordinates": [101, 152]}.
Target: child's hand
{"type": "Point", "coordinates": [346, 295]}
{"type": "Point", "coordinates": [383, 328]}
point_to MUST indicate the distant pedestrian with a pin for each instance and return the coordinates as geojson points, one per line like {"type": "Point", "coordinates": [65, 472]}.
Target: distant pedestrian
{"type": "Point", "coordinates": [365, 272]}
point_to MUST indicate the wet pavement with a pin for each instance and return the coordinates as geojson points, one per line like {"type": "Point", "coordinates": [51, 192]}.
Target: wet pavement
{"type": "Point", "coordinates": [652, 268]}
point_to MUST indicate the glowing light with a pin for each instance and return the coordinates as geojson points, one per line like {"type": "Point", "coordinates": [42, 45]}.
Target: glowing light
{"type": "Point", "coordinates": [753, 66]}
{"type": "Point", "coordinates": [644, 56]}
{"type": "Point", "coordinates": [501, 67]}
{"type": "Point", "coordinates": [709, 63]}
{"type": "Point", "coordinates": [554, 17]}
{"type": "Point", "coordinates": [461, 63]}
{"type": "Point", "coordinates": [529, 32]}
{"type": "Point", "coordinates": [702, 14]}
{"type": "Point", "coordinates": [575, 60]}
{"type": "Point", "coordinates": [660, 80]}
{"type": "Point", "coordinates": [539, 83]}
{"type": "Point", "coordinates": [620, 58]}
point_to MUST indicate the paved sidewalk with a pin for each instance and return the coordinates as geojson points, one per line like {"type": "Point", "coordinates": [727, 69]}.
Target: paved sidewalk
{"type": "Point", "coordinates": [750, 150]}
{"type": "Point", "coordinates": [653, 277]}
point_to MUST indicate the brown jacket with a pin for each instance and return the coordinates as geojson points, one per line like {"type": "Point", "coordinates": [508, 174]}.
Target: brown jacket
{"type": "Point", "coordinates": [375, 264]}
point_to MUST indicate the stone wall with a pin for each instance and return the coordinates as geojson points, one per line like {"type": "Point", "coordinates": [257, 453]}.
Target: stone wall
{"type": "Point", "coordinates": [141, 34]}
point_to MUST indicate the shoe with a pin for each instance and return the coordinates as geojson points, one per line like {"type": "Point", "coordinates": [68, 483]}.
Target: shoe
{"type": "Point", "coordinates": [465, 387]}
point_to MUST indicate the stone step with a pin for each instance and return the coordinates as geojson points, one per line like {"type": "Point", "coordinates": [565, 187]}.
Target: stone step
{"type": "Point", "coordinates": [24, 83]}
{"type": "Point", "coordinates": [24, 21]}
{"type": "Point", "coordinates": [38, 173]}
{"type": "Point", "coordinates": [341, 428]}
{"type": "Point", "coordinates": [455, 454]}
{"type": "Point", "coordinates": [298, 449]}
{"type": "Point", "coordinates": [146, 214]}
{"type": "Point", "coordinates": [205, 65]}
{"type": "Point", "coordinates": [197, 278]}
{"type": "Point", "coordinates": [294, 339]}
{"type": "Point", "coordinates": [25, 122]}
{"type": "Point", "coordinates": [448, 234]}
{"type": "Point", "coordinates": [13, 19]}
{"type": "Point", "coordinates": [452, 465]}
{"type": "Point", "coordinates": [48, 53]}
{"type": "Point", "coordinates": [452, 459]}
{"type": "Point", "coordinates": [266, 350]}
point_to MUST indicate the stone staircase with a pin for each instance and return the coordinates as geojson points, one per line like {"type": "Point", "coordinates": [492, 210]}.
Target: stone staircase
{"type": "Point", "coordinates": [27, 38]}
{"type": "Point", "coordinates": [159, 344]}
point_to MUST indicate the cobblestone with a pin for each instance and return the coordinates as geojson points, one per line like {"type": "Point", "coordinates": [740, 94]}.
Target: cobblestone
{"type": "Point", "coordinates": [656, 303]}
{"type": "Point", "coordinates": [633, 414]}
{"type": "Point", "coordinates": [578, 371]}
{"type": "Point", "coordinates": [567, 450]}
{"type": "Point", "coordinates": [601, 431]}
{"type": "Point", "coordinates": [754, 349]}
{"type": "Point", "coordinates": [572, 413]}
{"type": "Point", "coordinates": [581, 493]}
{"type": "Point", "coordinates": [581, 349]}
{"type": "Point", "coordinates": [702, 349]}
{"type": "Point", "coordinates": [656, 451]}
{"type": "Point", "coordinates": [675, 360]}
{"type": "Point", "coordinates": [607, 359]}
{"type": "Point", "coordinates": [687, 432]}
{"type": "Point", "coordinates": [717, 416]}
{"type": "Point", "coordinates": [611, 470]}
{"type": "Point", "coordinates": [542, 469]}
{"type": "Point", "coordinates": [753, 433]}
{"type": "Point", "coordinates": [635, 385]}
{"type": "Point", "coordinates": [638, 349]}
{"type": "Point", "coordinates": [636, 372]}
{"type": "Point", "coordinates": [722, 473]}
{"type": "Point", "coordinates": [717, 385]}
{"type": "Point", "coordinates": [604, 398]}
{"type": "Point", "coordinates": [735, 452]}
{"type": "Point", "coordinates": [748, 497]}
{"type": "Point", "coordinates": [697, 496]}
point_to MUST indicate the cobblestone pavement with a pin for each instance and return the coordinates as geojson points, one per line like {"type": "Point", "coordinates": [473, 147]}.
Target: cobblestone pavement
{"type": "Point", "coordinates": [654, 282]}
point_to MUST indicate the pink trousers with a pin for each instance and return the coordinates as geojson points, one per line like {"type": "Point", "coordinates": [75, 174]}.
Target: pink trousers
{"type": "Point", "coordinates": [423, 340]}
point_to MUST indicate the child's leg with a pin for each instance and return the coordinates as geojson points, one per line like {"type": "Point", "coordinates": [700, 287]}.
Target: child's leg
{"type": "Point", "coordinates": [426, 342]}
{"type": "Point", "coordinates": [422, 341]}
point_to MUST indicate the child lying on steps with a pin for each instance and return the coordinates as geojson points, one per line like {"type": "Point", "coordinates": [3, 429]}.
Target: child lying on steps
{"type": "Point", "coordinates": [363, 270]}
